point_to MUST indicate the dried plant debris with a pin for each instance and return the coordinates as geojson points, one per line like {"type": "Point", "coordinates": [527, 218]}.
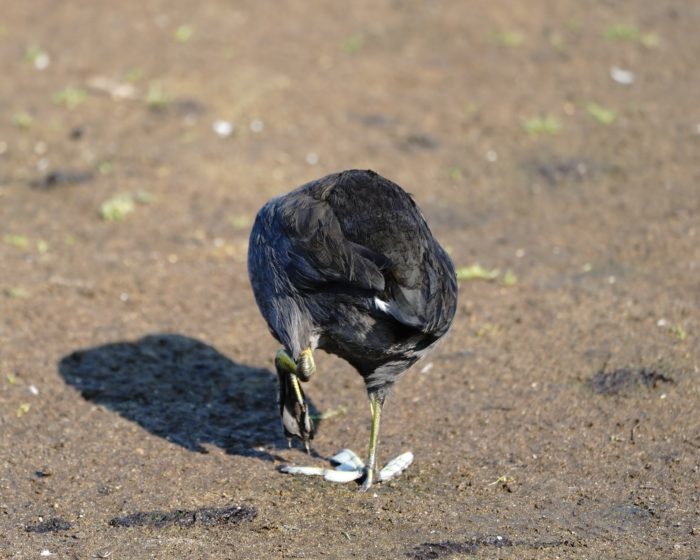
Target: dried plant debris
{"type": "Point", "coordinates": [623, 380]}
{"type": "Point", "coordinates": [16, 240]}
{"type": "Point", "coordinates": [477, 272]}
{"type": "Point", "coordinates": [70, 97]}
{"type": "Point", "coordinates": [117, 208]}
{"type": "Point", "coordinates": [231, 515]}
{"type": "Point", "coordinates": [52, 525]}
{"type": "Point", "coordinates": [601, 114]}
{"type": "Point", "coordinates": [539, 125]}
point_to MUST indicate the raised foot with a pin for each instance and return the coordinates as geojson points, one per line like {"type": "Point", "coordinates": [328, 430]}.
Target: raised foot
{"type": "Point", "coordinates": [306, 366]}
{"type": "Point", "coordinates": [303, 368]}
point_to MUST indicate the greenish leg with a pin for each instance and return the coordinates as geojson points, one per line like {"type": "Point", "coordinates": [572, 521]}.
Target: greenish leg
{"type": "Point", "coordinates": [303, 368]}
{"type": "Point", "coordinates": [375, 405]}
{"type": "Point", "coordinates": [284, 362]}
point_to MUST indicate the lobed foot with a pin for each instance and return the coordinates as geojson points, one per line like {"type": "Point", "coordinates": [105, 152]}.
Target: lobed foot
{"type": "Point", "coordinates": [349, 467]}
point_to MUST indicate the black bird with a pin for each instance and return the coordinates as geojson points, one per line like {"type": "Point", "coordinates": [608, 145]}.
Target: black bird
{"type": "Point", "coordinates": [348, 264]}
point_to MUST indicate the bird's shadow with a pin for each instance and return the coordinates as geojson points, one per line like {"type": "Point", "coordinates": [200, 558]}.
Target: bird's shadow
{"type": "Point", "coordinates": [183, 390]}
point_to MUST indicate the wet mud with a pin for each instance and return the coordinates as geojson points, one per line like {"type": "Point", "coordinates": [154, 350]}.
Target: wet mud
{"type": "Point", "coordinates": [52, 525]}
{"type": "Point", "coordinates": [231, 515]}
{"type": "Point", "coordinates": [625, 380]}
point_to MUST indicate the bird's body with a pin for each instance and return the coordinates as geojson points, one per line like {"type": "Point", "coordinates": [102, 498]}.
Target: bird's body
{"type": "Point", "coordinates": [348, 264]}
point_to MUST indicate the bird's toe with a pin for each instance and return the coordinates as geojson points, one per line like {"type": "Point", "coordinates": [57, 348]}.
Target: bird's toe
{"type": "Point", "coordinates": [305, 365]}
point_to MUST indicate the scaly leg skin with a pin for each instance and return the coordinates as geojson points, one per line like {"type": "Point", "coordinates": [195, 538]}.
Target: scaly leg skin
{"type": "Point", "coordinates": [375, 404]}
{"type": "Point", "coordinates": [306, 366]}
{"type": "Point", "coordinates": [284, 361]}
{"type": "Point", "coordinates": [286, 365]}
{"type": "Point", "coordinates": [303, 368]}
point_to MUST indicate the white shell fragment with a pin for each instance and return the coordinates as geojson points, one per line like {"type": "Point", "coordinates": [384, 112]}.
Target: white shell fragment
{"type": "Point", "coordinates": [395, 467]}
{"type": "Point", "coordinates": [347, 459]}
{"type": "Point", "coordinates": [624, 77]}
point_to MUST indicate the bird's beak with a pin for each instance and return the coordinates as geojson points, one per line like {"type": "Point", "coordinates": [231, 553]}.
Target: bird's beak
{"type": "Point", "coordinates": [293, 409]}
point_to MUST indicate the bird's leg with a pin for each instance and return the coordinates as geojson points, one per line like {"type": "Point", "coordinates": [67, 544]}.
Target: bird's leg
{"type": "Point", "coordinates": [284, 362]}
{"type": "Point", "coordinates": [376, 402]}
{"type": "Point", "coordinates": [295, 413]}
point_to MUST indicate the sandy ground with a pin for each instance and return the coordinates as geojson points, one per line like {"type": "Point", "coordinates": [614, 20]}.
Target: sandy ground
{"type": "Point", "coordinates": [560, 418]}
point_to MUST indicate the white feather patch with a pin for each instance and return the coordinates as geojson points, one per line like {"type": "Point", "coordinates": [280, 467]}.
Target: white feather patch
{"type": "Point", "coordinates": [383, 306]}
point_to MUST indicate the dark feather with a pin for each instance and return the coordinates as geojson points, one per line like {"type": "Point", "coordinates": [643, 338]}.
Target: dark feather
{"type": "Point", "coordinates": [348, 263]}
{"type": "Point", "coordinates": [320, 253]}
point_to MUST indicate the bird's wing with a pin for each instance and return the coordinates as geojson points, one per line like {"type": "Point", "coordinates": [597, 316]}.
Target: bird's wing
{"type": "Point", "coordinates": [320, 254]}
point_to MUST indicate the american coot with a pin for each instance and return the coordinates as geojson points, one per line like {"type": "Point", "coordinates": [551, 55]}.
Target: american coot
{"type": "Point", "coordinates": [348, 264]}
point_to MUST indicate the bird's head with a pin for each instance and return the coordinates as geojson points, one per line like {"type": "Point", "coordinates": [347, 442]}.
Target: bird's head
{"type": "Point", "coordinates": [293, 409]}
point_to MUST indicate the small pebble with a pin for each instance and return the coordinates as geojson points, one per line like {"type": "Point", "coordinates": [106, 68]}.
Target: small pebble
{"type": "Point", "coordinates": [223, 128]}
{"type": "Point", "coordinates": [312, 158]}
{"type": "Point", "coordinates": [33, 390]}
{"type": "Point", "coordinates": [256, 125]}
{"type": "Point", "coordinates": [42, 61]}
{"type": "Point", "coordinates": [46, 552]}
{"type": "Point", "coordinates": [491, 156]}
{"type": "Point", "coordinates": [427, 367]}
{"type": "Point", "coordinates": [624, 77]}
